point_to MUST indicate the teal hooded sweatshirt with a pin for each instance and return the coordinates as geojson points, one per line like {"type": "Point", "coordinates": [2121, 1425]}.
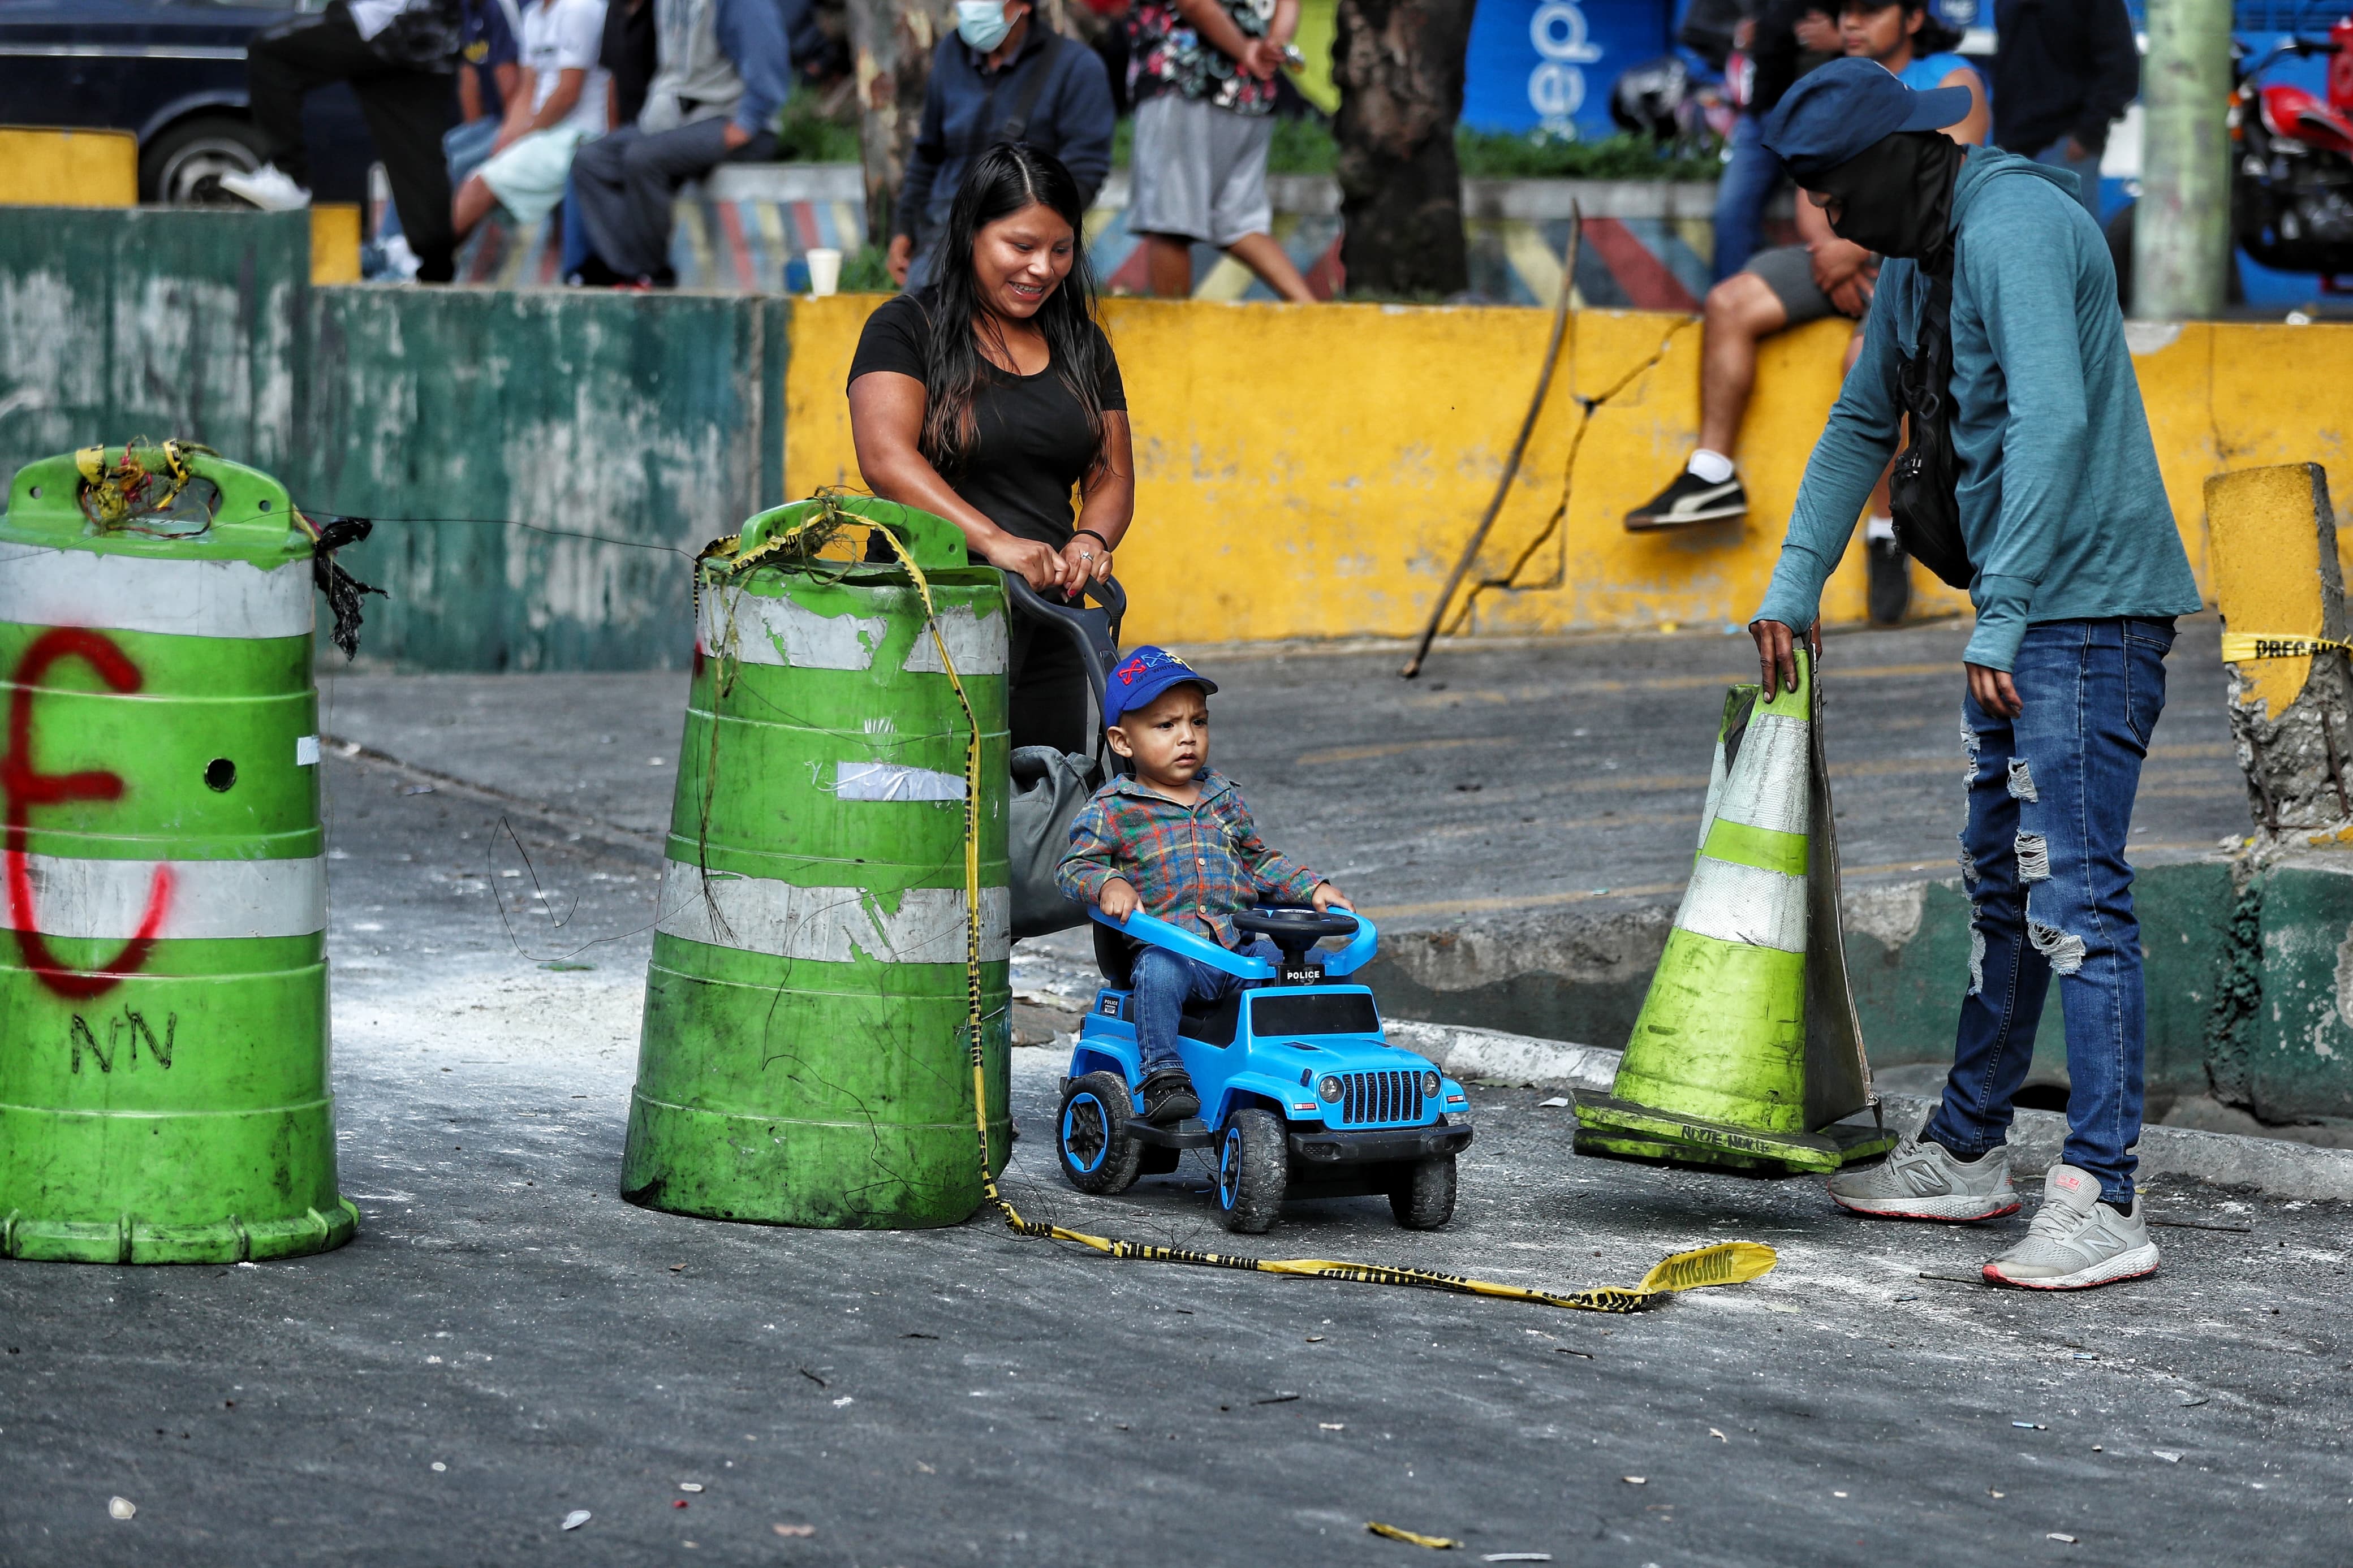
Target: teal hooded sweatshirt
{"type": "Point", "coordinates": [2059, 500]}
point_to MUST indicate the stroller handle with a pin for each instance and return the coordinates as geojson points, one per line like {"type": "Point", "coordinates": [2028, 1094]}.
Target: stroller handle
{"type": "Point", "coordinates": [1093, 629]}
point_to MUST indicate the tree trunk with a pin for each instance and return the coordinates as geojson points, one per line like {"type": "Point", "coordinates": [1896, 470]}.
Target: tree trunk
{"type": "Point", "coordinates": [891, 42]}
{"type": "Point", "coordinates": [1398, 65]}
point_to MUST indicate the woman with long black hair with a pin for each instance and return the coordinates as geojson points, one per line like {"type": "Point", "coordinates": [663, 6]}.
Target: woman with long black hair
{"type": "Point", "coordinates": [990, 396]}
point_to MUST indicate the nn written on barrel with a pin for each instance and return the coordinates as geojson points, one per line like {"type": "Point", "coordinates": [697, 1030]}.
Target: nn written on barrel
{"type": "Point", "coordinates": [987, 396]}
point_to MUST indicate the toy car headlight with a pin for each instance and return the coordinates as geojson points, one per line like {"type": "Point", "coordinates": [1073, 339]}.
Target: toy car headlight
{"type": "Point", "coordinates": [1329, 1090]}
{"type": "Point", "coordinates": [1429, 1084]}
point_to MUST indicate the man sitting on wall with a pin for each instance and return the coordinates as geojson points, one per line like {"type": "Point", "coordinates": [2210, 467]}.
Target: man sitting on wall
{"type": "Point", "coordinates": [1794, 284]}
{"type": "Point", "coordinates": [722, 70]}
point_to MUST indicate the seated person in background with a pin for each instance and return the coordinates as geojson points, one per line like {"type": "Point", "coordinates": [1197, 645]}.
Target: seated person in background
{"type": "Point", "coordinates": [721, 73]}
{"type": "Point", "coordinates": [561, 105]}
{"type": "Point", "coordinates": [1002, 76]}
{"type": "Point", "coordinates": [1176, 841]}
{"type": "Point", "coordinates": [490, 73]}
{"type": "Point", "coordinates": [1791, 285]}
{"type": "Point", "coordinates": [628, 57]}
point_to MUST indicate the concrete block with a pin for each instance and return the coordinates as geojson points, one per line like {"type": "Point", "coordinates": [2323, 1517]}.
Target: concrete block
{"type": "Point", "coordinates": [151, 321]}
{"type": "Point", "coordinates": [2298, 1057]}
{"type": "Point", "coordinates": [42, 166]}
{"type": "Point", "coordinates": [2278, 584]}
{"type": "Point", "coordinates": [543, 465]}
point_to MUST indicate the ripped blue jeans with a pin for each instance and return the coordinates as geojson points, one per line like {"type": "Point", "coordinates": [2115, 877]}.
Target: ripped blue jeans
{"type": "Point", "coordinates": [2050, 801]}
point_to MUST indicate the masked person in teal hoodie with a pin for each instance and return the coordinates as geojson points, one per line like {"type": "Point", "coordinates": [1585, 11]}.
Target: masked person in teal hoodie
{"type": "Point", "coordinates": [2049, 509]}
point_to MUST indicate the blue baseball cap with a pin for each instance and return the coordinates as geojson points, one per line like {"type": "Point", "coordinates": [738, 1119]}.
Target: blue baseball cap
{"type": "Point", "coordinates": [1143, 674]}
{"type": "Point", "coordinates": [1837, 111]}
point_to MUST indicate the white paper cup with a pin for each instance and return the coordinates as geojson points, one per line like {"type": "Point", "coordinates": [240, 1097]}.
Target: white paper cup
{"type": "Point", "coordinates": [825, 272]}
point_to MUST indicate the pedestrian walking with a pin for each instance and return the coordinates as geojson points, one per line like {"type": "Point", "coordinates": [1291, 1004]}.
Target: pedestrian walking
{"type": "Point", "coordinates": [1202, 75]}
{"type": "Point", "coordinates": [2031, 476]}
{"type": "Point", "coordinates": [400, 57]}
{"type": "Point", "coordinates": [1002, 76]}
{"type": "Point", "coordinates": [2064, 71]}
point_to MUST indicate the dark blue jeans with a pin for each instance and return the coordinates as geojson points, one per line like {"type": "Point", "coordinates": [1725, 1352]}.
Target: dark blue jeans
{"type": "Point", "coordinates": [1747, 184]}
{"type": "Point", "coordinates": [1163, 983]}
{"type": "Point", "coordinates": [2050, 800]}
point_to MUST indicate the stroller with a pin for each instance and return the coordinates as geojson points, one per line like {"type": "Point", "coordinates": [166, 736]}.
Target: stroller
{"type": "Point", "coordinates": [1050, 785]}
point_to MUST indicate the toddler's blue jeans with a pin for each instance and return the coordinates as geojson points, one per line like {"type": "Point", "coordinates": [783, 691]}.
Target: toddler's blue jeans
{"type": "Point", "coordinates": [1164, 982]}
{"type": "Point", "coordinates": [2050, 800]}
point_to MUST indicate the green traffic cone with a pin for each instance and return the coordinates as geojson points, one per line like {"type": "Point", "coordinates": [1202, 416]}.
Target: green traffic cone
{"type": "Point", "coordinates": [1746, 1052]}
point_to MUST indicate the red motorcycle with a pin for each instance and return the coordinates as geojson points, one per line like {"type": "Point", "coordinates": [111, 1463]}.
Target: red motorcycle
{"type": "Point", "coordinates": [2292, 193]}
{"type": "Point", "coordinates": [2291, 171]}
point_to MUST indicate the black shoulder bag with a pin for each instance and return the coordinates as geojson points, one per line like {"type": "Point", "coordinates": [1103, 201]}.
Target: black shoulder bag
{"type": "Point", "coordinates": [424, 37]}
{"type": "Point", "coordinates": [1922, 490]}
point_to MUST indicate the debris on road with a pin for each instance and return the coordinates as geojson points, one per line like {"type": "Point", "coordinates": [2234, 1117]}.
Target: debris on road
{"type": "Point", "coordinates": [121, 1507]}
{"type": "Point", "coordinates": [2167, 1455]}
{"type": "Point", "coordinates": [576, 1518]}
{"type": "Point", "coordinates": [794, 1529]}
{"type": "Point", "coordinates": [1435, 1542]}
{"type": "Point", "coordinates": [1557, 1102]}
{"type": "Point", "coordinates": [1636, 1481]}
{"type": "Point", "coordinates": [689, 1486]}
{"type": "Point", "coordinates": [2030, 1425]}
{"type": "Point", "coordinates": [2055, 1536]}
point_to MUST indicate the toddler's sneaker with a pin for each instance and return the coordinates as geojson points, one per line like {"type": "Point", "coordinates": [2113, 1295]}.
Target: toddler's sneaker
{"type": "Point", "coordinates": [2076, 1241]}
{"type": "Point", "coordinates": [1169, 1097]}
{"type": "Point", "coordinates": [1921, 1180]}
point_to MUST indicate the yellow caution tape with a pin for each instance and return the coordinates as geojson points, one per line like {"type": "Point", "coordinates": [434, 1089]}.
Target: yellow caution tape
{"type": "Point", "coordinates": [1725, 1263]}
{"type": "Point", "coordinates": [108, 494]}
{"type": "Point", "coordinates": [2238, 646]}
{"type": "Point", "coordinates": [1435, 1542]}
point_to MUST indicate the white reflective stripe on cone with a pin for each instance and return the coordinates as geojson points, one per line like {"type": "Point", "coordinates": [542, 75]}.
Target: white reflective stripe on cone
{"type": "Point", "coordinates": [1767, 788]}
{"type": "Point", "coordinates": [829, 925]}
{"type": "Point", "coordinates": [41, 587]}
{"type": "Point", "coordinates": [1732, 902]}
{"type": "Point", "coordinates": [109, 899]}
{"type": "Point", "coordinates": [755, 629]}
{"type": "Point", "coordinates": [143, 594]}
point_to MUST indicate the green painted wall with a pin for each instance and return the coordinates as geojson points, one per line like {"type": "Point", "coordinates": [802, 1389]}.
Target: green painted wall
{"type": "Point", "coordinates": [160, 322]}
{"type": "Point", "coordinates": [629, 430]}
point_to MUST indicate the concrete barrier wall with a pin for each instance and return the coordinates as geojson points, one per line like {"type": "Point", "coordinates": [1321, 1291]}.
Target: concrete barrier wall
{"type": "Point", "coordinates": [121, 322]}
{"type": "Point", "coordinates": [1312, 471]}
{"type": "Point", "coordinates": [543, 465]}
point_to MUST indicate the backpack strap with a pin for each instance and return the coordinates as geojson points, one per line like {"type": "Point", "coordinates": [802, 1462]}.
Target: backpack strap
{"type": "Point", "coordinates": [1041, 70]}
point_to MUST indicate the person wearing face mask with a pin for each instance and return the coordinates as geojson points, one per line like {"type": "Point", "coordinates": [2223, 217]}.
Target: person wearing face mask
{"type": "Point", "coordinates": [2031, 477]}
{"type": "Point", "coordinates": [989, 395]}
{"type": "Point", "coordinates": [1002, 76]}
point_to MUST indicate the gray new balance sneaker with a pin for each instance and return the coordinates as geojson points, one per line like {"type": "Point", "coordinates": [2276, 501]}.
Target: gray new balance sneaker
{"type": "Point", "coordinates": [1921, 1180]}
{"type": "Point", "coordinates": [2076, 1241]}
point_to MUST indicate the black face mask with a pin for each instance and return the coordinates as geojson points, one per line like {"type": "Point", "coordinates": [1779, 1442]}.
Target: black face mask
{"type": "Point", "coordinates": [1896, 196]}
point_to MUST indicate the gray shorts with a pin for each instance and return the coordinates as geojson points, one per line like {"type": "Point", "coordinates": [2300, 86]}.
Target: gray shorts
{"type": "Point", "coordinates": [1198, 171]}
{"type": "Point", "coordinates": [1788, 271]}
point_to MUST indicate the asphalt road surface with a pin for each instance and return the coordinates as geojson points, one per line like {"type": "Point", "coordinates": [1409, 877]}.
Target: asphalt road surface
{"type": "Point", "coordinates": [506, 1342]}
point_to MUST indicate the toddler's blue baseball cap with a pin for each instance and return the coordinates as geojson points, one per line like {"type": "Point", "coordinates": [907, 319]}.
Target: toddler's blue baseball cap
{"type": "Point", "coordinates": [1143, 674]}
{"type": "Point", "coordinates": [1836, 112]}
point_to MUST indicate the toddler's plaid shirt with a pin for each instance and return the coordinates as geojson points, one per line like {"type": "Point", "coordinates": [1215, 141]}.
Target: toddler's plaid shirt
{"type": "Point", "coordinates": [1194, 866]}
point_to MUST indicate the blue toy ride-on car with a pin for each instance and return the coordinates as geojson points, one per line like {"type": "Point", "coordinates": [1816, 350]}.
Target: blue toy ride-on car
{"type": "Point", "coordinates": [1302, 1096]}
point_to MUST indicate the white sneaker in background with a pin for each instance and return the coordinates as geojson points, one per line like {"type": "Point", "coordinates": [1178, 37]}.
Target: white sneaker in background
{"type": "Point", "coordinates": [270, 188]}
{"type": "Point", "coordinates": [400, 262]}
{"type": "Point", "coordinates": [2076, 1241]}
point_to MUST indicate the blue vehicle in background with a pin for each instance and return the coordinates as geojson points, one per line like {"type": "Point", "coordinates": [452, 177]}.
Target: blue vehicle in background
{"type": "Point", "coordinates": [1302, 1096]}
{"type": "Point", "coordinates": [172, 73]}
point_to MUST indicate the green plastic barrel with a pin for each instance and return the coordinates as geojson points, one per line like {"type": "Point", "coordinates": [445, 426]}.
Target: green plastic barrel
{"type": "Point", "coordinates": [162, 977]}
{"type": "Point", "coordinates": [804, 1057]}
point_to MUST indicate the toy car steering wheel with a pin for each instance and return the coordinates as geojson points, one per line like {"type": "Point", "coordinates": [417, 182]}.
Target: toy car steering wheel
{"type": "Point", "coordinates": [1304, 927]}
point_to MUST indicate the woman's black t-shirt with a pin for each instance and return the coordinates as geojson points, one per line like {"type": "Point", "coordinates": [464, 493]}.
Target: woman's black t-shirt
{"type": "Point", "coordinates": [1033, 445]}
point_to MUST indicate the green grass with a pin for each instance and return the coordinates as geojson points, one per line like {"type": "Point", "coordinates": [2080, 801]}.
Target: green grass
{"type": "Point", "coordinates": [804, 134]}
{"type": "Point", "coordinates": [1306, 147]}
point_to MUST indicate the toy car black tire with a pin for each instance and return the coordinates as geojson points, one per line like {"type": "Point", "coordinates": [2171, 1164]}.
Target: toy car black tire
{"type": "Point", "coordinates": [1253, 1165]}
{"type": "Point", "coordinates": [1091, 1134]}
{"type": "Point", "coordinates": [1423, 1198]}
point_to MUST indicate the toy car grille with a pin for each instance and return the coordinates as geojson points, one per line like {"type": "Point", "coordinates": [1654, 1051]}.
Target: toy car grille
{"type": "Point", "coordinates": [1376, 1097]}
